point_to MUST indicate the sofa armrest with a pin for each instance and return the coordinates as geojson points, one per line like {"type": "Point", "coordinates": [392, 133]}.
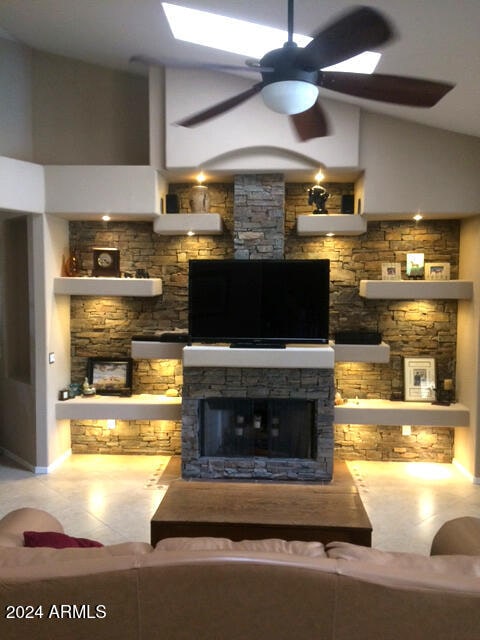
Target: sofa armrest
{"type": "Point", "coordinates": [16, 522]}
{"type": "Point", "coordinates": [460, 536]}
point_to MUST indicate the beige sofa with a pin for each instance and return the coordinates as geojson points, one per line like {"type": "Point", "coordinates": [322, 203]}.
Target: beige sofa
{"type": "Point", "coordinates": [215, 589]}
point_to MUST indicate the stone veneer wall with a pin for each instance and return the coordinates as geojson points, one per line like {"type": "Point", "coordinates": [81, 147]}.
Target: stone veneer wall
{"type": "Point", "coordinates": [105, 326]}
{"type": "Point", "coordinates": [258, 231]}
{"type": "Point", "coordinates": [221, 382]}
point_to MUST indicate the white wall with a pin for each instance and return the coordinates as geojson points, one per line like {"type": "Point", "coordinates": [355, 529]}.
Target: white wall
{"type": "Point", "coordinates": [16, 139]}
{"type": "Point", "coordinates": [87, 114]}
{"type": "Point", "coordinates": [76, 191]}
{"type": "Point", "coordinates": [22, 186]}
{"type": "Point", "coordinates": [410, 167]}
{"type": "Point", "coordinates": [52, 322]}
{"type": "Point", "coordinates": [467, 449]}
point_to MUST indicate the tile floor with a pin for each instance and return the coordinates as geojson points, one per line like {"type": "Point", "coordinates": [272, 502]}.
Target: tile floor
{"type": "Point", "coordinates": [112, 498]}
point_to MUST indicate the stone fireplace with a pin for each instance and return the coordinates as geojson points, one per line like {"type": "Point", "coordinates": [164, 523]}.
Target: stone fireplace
{"type": "Point", "coordinates": [257, 423]}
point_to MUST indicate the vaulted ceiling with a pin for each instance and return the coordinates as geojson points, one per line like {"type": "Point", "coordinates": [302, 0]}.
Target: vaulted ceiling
{"type": "Point", "coordinates": [438, 39]}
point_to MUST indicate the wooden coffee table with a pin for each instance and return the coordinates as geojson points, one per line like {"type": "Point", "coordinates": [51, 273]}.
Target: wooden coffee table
{"type": "Point", "coordinates": [256, 510]}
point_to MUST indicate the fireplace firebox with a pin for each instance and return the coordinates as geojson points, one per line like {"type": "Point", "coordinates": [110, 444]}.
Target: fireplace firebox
{"type": "Point", "coordinates": [265, 427]}
{"type": "Point", "coordinates": [257, 423]}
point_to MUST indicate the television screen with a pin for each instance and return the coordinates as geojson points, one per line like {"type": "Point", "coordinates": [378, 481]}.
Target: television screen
{"type": "Point", "coordinates": [254, 302]}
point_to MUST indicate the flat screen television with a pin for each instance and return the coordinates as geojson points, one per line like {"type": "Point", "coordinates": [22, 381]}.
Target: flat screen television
{"type": "Point", "coordinates": [259, 302]}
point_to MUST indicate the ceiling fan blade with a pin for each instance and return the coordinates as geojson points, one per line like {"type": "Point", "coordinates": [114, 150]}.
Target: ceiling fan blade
{"type": "Point", "coordinates": [311, 123]}
{"type": "Point", "coordinates": [413, 92]}
{"type": "Point", "coordinates": [221, 107]}
{"type": "Point", "coordinates": [354, 32]}
{"type": "Point", "coordinates": [177, 64]}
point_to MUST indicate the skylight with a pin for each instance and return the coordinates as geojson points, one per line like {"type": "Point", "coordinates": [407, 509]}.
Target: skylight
{"type": "Point", "coordinates": [245, 38]}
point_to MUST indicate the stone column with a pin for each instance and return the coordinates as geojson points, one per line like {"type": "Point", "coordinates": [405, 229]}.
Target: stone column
{"type": "Point", "coordinates": [259, 206]}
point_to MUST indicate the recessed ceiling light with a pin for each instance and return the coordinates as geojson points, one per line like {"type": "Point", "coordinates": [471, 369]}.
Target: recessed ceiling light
{"type": "Point", "coordinates": [418, 217]}
{"type": "Point", "coordinates": [106, 218]}
{"type": "Point", "coordinates": [245, 38]}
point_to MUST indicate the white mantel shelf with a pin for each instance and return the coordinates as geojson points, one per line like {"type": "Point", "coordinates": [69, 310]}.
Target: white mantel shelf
{"type": "Point", "coordinates": [339, 224]}
{"type": "Point", "coordinates": [416, 289]}
{"type": "Point", "coordinates": [136, 407]}
{"type": "Point", "coordinates": [174, 224]}
{"type": "Point", "coordinates": [396, 413]}
{"type": "Point", "coordinates": [289, 358]}
{"type": "Point", "coordinates": [139, 287]}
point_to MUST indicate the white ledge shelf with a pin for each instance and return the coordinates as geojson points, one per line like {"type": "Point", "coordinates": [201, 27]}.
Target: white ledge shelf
{"type": "Point", "coordinates": [289, 358]}
{"type": "Point", "coordinates": [396, 413]}
{"type": "Point", "coordinates": [373, 353]}
{"type": "Point", "coordinates": [140, 287]}
{"type": "Point", "coordinates": [174, 224]}
{"type": "Point", "coordinates": [339, 224]}
{"type": "Point", "coordinates": [152, 349]}
{"type": "Point", "coordinates": [137, 407]}
{"type": "Point", "coordinates": [416, 289]}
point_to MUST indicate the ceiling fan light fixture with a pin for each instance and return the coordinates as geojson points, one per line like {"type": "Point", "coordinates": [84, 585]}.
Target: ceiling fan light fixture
{"type": "Point", "coordinates": [289, 96]}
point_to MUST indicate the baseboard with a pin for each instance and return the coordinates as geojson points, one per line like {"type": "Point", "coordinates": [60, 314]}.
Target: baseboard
{"type": "Point", "coordinates": [473, 479]}
{"type": "Point", "coordinates": [33, 468]}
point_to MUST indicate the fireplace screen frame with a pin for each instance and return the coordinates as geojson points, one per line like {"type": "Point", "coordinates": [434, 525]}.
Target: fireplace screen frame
{"type": "Point", "coordinates": [282, 428]}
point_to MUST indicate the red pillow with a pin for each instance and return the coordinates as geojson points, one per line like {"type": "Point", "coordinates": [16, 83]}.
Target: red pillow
{"type": "Point", "coordinates": [56, 540]}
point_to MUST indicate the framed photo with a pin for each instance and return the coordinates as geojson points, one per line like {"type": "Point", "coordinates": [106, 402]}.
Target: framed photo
{"type": "Point", "coordinates": [391, 271]}
{"type": "Point", "coordinates": [437, 271]}
{"type": "Point", "coordinates": [419, 379]}
{"type": "Point", "coordinates": [415, 265]}
{"type": "Point", "coordinates": [110, 376]}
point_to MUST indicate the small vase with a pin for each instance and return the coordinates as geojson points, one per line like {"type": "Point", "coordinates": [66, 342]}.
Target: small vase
{"type": "Point", "coordinates": [72, 264]}
{"type": "Point", "coordinates": [199, 199]}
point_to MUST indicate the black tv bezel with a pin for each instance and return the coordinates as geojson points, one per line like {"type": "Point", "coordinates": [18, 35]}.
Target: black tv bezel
{"type": "Point", "coordinates": [256, 341]}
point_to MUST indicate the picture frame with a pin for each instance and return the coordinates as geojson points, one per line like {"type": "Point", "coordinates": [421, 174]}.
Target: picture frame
{"type": "Point", "coordinates": [419, 379]}
{"type": "Point", "coordinates": [391, 271]}
{"type": "Point", "coordinates": [110, 376]}
{"type": "Point", "coordinates": [415, 265]}
{"type": "Point", "coordinates": [437, 271]}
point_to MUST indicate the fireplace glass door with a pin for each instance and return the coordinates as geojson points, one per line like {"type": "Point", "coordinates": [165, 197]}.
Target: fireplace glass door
{"type": "Point", "coordinates": [273, 428]}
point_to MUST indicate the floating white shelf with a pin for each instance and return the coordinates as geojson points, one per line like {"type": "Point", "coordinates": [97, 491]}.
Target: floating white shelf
{"type": "Point", "coordinates": [140, 287]}
{"type": "Point", "coordinates": [416, 289]}
{"type": "Point", "coordinates": [151, 350]}
{"type": "Point", "coordinates": [174, 224]}
{"type": "Point", "coordinates": [395, 413]}
{"type": "Point", "coordinates": [339, 224]}
{"type": "Point", "coordinates": [138, 407]}
{"type": "Point", "coordinates": [289, 358]}
{"type": "Point", "coordinates": [379, 353]}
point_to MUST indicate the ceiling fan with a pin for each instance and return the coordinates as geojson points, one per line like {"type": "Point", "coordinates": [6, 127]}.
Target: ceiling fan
{"type": "Point", "coordinates": [292, 75]}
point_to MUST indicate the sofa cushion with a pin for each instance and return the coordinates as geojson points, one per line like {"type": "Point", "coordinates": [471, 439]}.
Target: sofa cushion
{"type": "Point", "coordinates": [271, 545]}
{"type": "Point", "coordinates": [47, 556]}
{"type": "Point", "coordinates": [459, 565]}
{"type": "Point", "coordinates": [56, 540]}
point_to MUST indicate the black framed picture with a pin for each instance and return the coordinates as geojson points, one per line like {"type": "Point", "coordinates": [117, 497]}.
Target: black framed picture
{"type": "Point", "coordinates": [110, 376]}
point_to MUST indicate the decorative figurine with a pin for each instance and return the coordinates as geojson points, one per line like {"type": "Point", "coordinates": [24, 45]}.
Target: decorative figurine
{"type": "Point", "coordinates": [318, 196]}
